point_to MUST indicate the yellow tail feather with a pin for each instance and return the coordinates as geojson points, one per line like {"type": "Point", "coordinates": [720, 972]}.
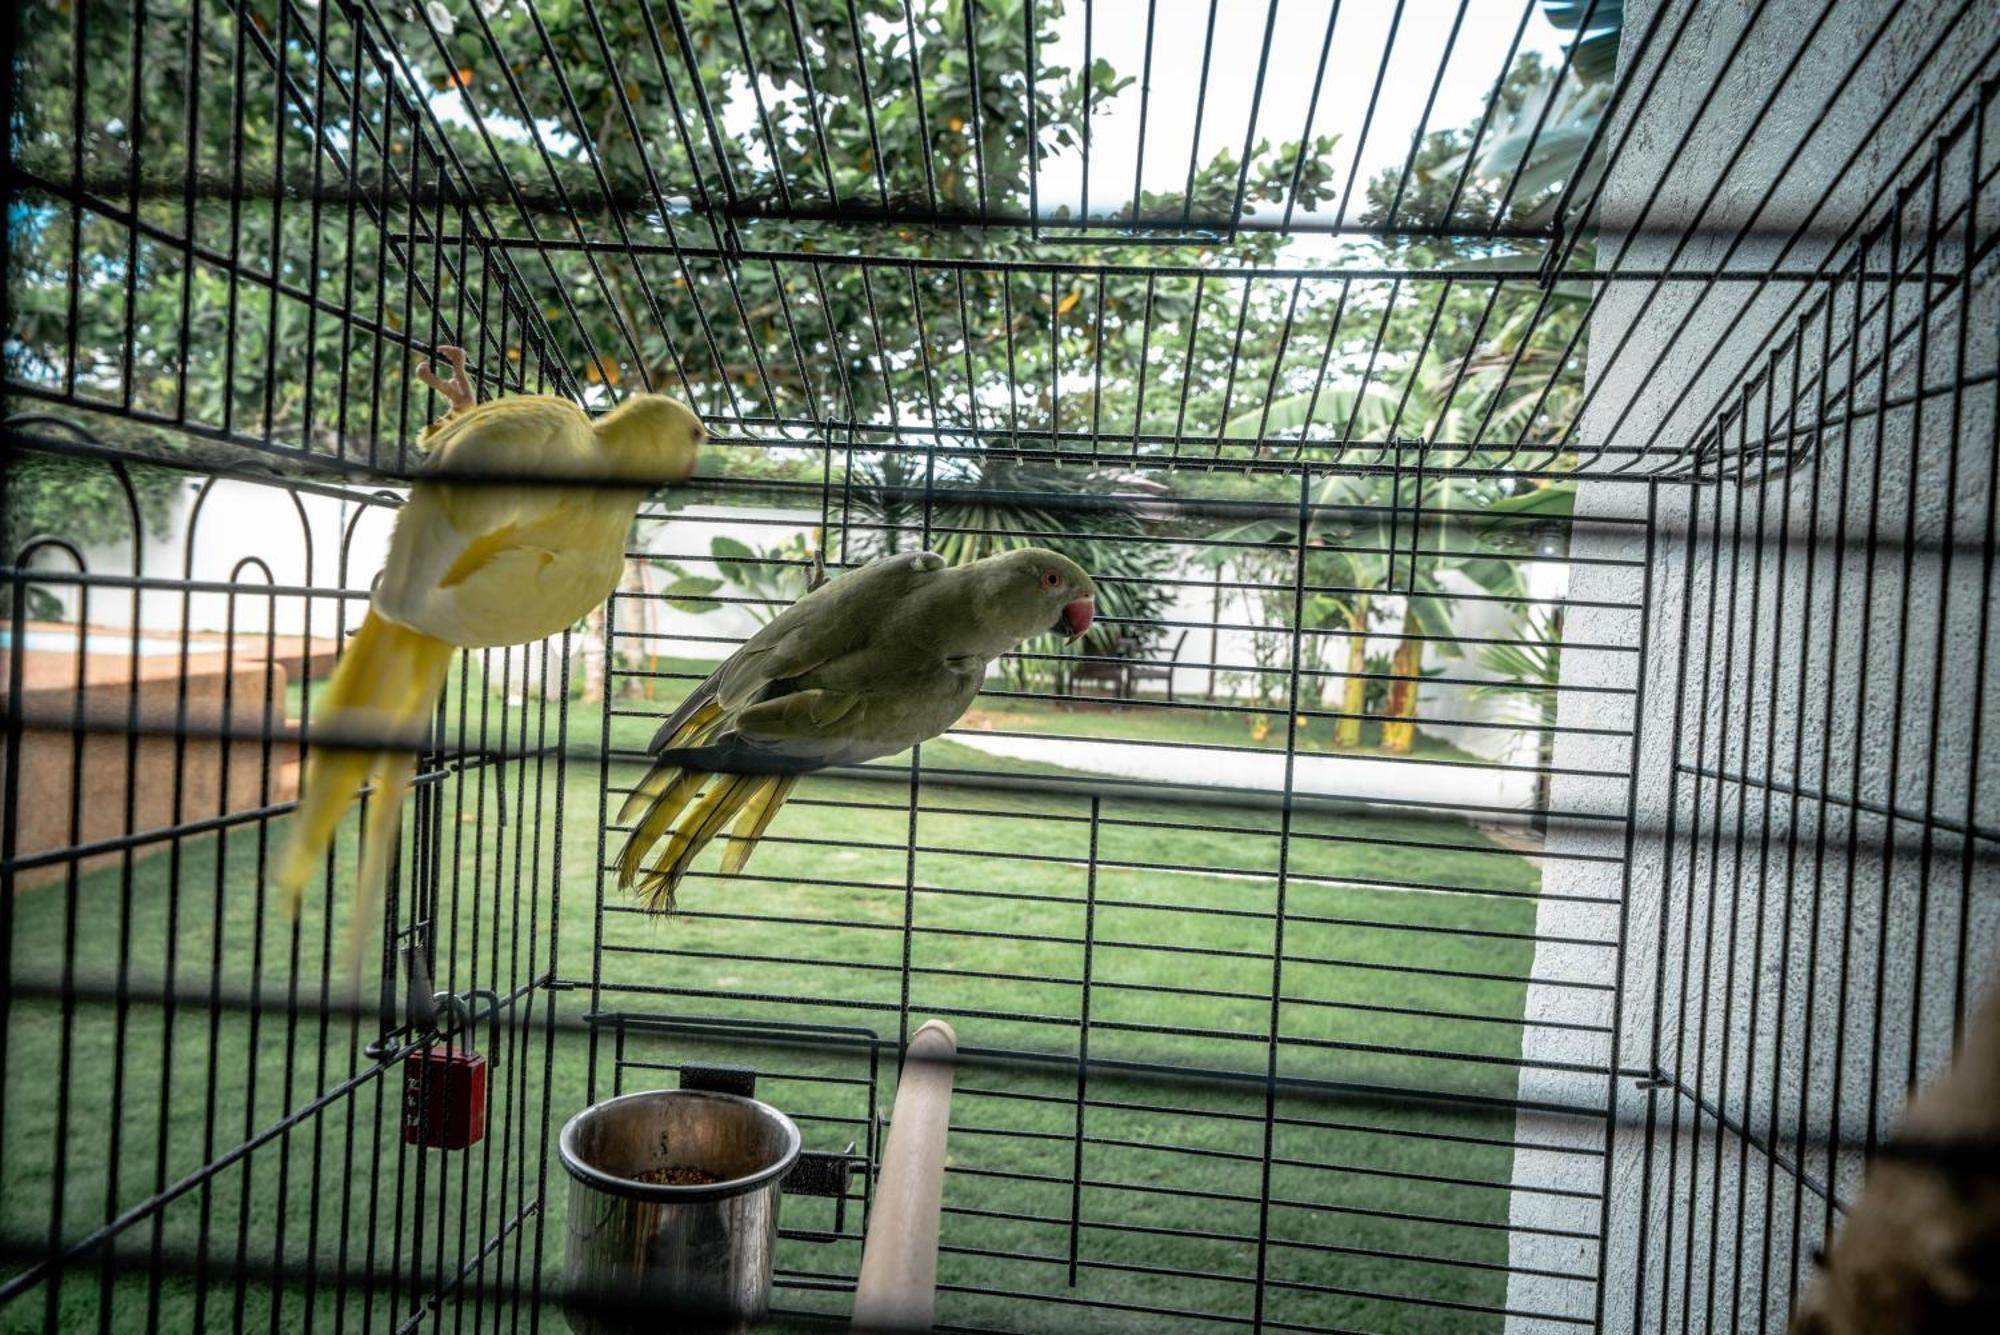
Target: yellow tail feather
{"type": "Point", "coordinates": [375, 712]}
{"type": "Point", "coordinates": [647, 794]}
{"type": "Point", "coordinates": [758, 811]}
{"type": "Point", "coordinates": [688, 809]}
{"type": "Point", "coordinates": [729, 798]}
{"type": "Point", "coordinates": [691, 733]}
{"type": "Point", "coordinates": [378, 846]}
{"type": "Point", "coordinates": [694, 829]}
{"type": "Point", "coordinates": [332, 780]}
{"type": "Point", "coordinates": [685, 784]}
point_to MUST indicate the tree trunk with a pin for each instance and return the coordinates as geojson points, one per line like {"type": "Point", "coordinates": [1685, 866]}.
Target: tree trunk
{"type": "Point", "coordinates": [1214, 632]}
{"type": "Point", "coordinates": [1354, 699]}
{"type": "Point", "coordinates": [590, 649]}
{"type": "Point", "coordinates": [1545, 747]}
{"type": "Point", "coordinates": [591, 646]}
{"type": "Point", "coordinates": [638, 581]}
{"type": "Point", "coordinates": [1399, 727]}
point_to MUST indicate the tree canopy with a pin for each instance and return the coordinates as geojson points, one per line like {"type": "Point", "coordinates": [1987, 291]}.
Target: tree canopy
{"type": "Point", "coordinates": [610, 196]}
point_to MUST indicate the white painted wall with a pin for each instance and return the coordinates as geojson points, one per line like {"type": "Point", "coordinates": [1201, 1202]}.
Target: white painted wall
{"type": "Point", "coordinates": [246, 533]}
{"type": "Point", "coordinates": [1901, 79]}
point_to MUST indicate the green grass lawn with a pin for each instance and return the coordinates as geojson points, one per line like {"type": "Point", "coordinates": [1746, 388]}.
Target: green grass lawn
{"type": "Point", "coordinates": [1000, 919]}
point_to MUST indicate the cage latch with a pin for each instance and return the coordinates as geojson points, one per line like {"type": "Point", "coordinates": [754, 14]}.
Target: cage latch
{"type": "Point", "coordinates": [464, 1010]}
{"type": "Point", "coordinates": [814, 1173]}
{"type": "Point", "coordinates": [422, 1014]}
{"type": "Point", "coordinates": [819, 1173]}
{"type": "Point", "coordinates": [720, 1078]}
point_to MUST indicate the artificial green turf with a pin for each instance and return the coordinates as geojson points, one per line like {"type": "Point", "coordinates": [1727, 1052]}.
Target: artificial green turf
{"type": "Point", "coordinates": [817, 930]}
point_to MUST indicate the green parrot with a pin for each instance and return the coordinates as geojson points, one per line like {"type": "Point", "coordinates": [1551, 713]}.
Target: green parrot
{"type": "Point", "coordinates": [863, 667]}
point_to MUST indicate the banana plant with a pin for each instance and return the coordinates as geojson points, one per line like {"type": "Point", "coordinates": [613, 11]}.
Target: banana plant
{"type": "Point", "coordinates": [1364, 414]}
{"type": "Point", "coordinates": [1534, 151]}
{"type": "Point", "coordinates": [1362, 574]}
{"type": "Point", "coordinates": [1526, 673]}
{"type": "Point", "coordinates": [775, 577]}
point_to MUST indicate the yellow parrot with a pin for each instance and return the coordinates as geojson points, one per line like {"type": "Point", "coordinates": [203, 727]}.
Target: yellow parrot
{"type": "Point", "coordinates": [494, 547]}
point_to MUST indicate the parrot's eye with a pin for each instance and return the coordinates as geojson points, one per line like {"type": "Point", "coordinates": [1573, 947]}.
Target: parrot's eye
{"type": "Point", "coordinates": [1050, 579]}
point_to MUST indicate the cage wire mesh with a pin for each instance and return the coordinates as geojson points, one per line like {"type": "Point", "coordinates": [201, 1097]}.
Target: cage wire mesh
{"type": "Point", "coordinates": [1502, 860]}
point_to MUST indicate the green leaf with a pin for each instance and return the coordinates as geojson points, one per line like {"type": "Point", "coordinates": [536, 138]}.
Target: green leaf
{"type": "Point", "coordinates": [1331, 407]}
{"type": "Point", "coordinates": [685, 594]}
{"type": "Point", "coordinates": [1547, 172]}
{"type": "Point", "coordinates": [725, 548]}
{"type": "Point", "coordinates": [1597, 57]}
{"type": "Point", "coordinates": [1432, 616]}
{"type": "Point", "coordinates": [1556, 150]}
{"type": "Point", "coordinates": [1558, 498]}
{"type": "Point", "coordinates": [1568, 14]}
{"type": "Point", "coordinates": [1496, 575]}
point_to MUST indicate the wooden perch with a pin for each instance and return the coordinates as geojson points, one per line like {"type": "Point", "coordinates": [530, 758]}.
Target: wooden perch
{"type": "Point", "coordinates": [897, 1290]}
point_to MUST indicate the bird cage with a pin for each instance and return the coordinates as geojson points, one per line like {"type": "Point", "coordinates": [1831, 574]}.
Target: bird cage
{"type": "Point", "coordinates": [1503, 858]}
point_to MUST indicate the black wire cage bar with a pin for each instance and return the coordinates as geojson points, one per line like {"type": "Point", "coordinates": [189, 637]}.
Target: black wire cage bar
{"type": "Point", "coordinates": [1511, 845]}
{"type": "Point", "coordinates": [588, 235]}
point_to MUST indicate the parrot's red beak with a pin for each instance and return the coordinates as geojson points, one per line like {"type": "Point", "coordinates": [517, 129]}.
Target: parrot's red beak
{"type": "Point", "coordinates": [1076, 617]}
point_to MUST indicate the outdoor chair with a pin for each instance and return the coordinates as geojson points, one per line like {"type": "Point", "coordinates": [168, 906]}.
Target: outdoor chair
{"type": "Point", "coordinates": [1140, 669]}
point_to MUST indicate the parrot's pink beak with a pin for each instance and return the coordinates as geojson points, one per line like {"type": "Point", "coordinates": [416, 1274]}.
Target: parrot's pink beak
{"type": "Point", "coordinates": [1077, 616]}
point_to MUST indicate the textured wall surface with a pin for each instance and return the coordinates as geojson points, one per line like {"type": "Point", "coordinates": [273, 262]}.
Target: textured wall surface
{"type": "Point", "coordinates": [1816, 646]}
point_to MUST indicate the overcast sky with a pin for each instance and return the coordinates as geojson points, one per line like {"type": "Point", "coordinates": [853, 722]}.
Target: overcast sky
{"type": "Point", "coordinates": [1181, 29]}
{"type": "Point", "coordinates": [1298, 33]}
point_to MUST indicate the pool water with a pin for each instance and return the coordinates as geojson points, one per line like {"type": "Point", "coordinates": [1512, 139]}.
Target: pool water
{"type": "Point", "coordinates": [63, 641]}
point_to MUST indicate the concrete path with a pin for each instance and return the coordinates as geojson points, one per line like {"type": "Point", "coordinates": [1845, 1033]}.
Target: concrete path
{"type": "Point", "coordinates": [1357, 777]}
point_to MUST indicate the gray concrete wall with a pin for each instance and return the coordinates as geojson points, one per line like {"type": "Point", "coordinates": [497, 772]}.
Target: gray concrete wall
{"type": "Point", "coordinates": [1795, 989]}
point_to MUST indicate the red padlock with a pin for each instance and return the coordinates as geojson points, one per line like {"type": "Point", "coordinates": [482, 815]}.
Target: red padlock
{"type": "Point", "coordinates": [444, 1099]}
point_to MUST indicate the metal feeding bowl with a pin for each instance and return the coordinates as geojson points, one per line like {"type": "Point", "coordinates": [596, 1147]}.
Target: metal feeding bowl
{"type": "Point", "coordinates": [673, 1211]}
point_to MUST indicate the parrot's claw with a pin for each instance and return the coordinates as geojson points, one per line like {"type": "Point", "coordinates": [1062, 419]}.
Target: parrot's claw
{"type": "Point", "coordinates": [458, 389]}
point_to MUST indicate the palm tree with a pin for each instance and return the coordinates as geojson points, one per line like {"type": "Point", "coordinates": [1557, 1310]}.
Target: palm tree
{"type": "Point", "coordinates": [1526, 672]}
{"type": "Point", "coordinates": [986, 505]}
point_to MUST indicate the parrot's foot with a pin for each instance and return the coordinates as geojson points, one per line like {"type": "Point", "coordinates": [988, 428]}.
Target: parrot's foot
{"type": "Point", "coordinates": [458, 389]}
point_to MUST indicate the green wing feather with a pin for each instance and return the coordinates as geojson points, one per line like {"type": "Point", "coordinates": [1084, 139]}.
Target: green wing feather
{"type": "Point", "coordinates": [832, 621]}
